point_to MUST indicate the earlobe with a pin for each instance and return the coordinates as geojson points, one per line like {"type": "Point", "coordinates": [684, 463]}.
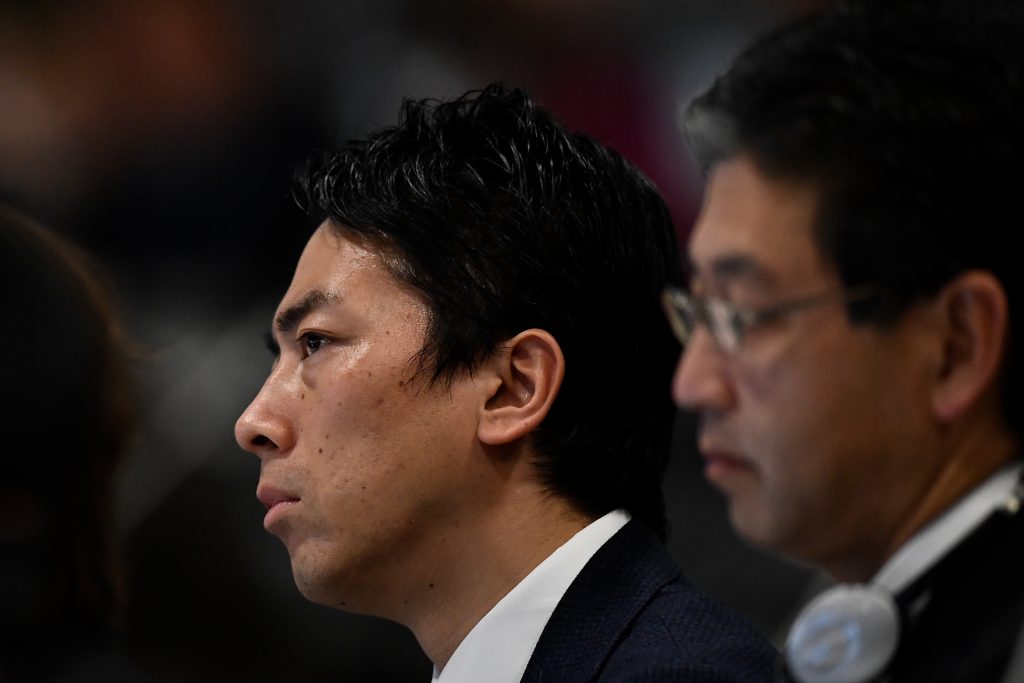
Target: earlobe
{"type": "Point", "coordinates": [975, 312]}
{"type": "Point", "coordinates": [530, 367]}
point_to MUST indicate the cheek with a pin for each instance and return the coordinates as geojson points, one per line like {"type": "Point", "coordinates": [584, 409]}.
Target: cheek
{"type": "Point", "coordinates": [376, 442]}
{"type": "Point", "coordinates": [812, 387]}
{"type": "Point", "coordinates": [354, 403]}
{"type": "Point", "coordinates": [823, 425]}
{"type": "Point", "coordinates": [344, 441]}
{"type": "Point", "coordinates": [776, 408]}
{"type": "Point", "coordinates": [798, 419]}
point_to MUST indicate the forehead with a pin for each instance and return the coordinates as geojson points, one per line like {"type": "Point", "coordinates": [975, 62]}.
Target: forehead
{"type": "Point", "coordinates": [755, 228]}
{"type": "Point", "coordinates": [339, 265]}
{"type": "Point", "coordinates": [331, 257]}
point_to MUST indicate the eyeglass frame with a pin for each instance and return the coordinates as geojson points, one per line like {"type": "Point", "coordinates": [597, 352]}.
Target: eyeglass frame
{"type": "Point", "coordinates": [734, 322]}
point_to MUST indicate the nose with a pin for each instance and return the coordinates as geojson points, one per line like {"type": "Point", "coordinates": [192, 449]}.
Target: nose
{"type": "Point", "coordinates": [264, 428]}
{"type": "Point", "coordinates": [701, 382]}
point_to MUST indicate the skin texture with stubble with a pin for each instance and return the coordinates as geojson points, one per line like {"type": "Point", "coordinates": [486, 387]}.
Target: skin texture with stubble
{"type": "Point", "coordinates": [360, 460]}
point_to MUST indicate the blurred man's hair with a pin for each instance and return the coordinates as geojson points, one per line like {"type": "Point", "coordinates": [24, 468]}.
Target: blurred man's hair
{"type": "Point", "coordinates": [908, 119]}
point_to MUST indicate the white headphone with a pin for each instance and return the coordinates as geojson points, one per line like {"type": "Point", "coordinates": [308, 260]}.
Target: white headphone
{"type": "Point", "coordinates": [848, 634]}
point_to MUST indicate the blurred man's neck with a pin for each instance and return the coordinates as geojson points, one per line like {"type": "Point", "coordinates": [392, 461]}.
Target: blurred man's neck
{"type": "Point", "coordinates": [976, 451]}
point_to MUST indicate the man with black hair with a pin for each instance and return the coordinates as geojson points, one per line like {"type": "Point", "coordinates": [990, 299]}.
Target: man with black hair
{"type": "Point", "coordinates": [850, 327]}
{"type": "Point", "coordinates": [467, 422]}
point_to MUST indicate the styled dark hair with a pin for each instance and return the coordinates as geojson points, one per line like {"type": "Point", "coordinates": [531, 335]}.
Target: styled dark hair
{"type": "Point", "coordinates": [908, 118]}
{"type": "Point", "coordinates": [68, 406]}
{"type": "Point", "coordinates": [506, 221]}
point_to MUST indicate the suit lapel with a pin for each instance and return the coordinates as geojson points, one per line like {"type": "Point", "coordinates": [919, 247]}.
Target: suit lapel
{"type": "Point", "coordinates": [599, 606]}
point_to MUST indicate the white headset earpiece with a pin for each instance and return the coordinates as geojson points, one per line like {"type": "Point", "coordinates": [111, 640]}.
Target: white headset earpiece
{"type": "Point", "coordinates": [847, 634]}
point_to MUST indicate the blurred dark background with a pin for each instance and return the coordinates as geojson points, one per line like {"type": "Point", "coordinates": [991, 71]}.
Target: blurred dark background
{"type": "Point", "coordinates": [160, 135]}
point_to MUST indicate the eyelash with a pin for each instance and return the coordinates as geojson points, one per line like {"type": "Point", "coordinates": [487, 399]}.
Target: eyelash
{"type": "Point", "coordinates": [306, 338]}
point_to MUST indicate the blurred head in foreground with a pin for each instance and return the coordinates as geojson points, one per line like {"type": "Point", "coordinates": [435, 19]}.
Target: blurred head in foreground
{"type": "Point", "coordinates": [67, 411]}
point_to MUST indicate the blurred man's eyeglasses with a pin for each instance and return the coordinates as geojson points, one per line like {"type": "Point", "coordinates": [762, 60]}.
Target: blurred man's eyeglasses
{"type": "Point", "coordinates": [729, 323]}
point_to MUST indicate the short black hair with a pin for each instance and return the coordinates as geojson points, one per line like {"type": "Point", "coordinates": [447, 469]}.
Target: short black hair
{"type": "Point", "coordinates": [506, 221]}
{"type": "Point", "coordinates": [908, 118]}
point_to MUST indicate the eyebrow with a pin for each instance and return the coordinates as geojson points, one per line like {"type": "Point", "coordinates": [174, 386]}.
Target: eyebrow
{"type": "Point", "coordinates": [731, 266]}
{"type": "Point", "coordinates": [289, 318]}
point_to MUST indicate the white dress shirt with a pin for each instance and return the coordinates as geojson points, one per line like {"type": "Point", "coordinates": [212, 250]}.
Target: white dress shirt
{"type": "Point", "coordinates": [947, 530]}
{"type": "Point", "coordinates": [499, 647]}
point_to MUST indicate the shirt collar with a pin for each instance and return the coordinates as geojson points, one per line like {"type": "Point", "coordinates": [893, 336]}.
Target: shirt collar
{"type": "Point", "coordinates": [499, 647]}
{"type": "Point", "coordinates": [928, 545]}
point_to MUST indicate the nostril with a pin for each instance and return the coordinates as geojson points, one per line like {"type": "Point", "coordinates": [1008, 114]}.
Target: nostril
{"type": "Point", "coordinates": [261, 441]}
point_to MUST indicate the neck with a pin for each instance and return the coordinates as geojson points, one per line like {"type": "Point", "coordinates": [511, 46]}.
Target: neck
{"type": "Point", "coordinates": [973, 455]}
{"type": "Point", "coordinates": [481, 570]}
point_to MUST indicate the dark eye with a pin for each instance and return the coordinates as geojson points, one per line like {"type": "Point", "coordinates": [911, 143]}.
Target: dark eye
{"type": "Point", "coordinates": [311, 342]}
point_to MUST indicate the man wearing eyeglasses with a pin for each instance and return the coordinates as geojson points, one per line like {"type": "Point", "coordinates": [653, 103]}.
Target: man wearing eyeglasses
{"type": "Point", "coordinates": [851, 338]}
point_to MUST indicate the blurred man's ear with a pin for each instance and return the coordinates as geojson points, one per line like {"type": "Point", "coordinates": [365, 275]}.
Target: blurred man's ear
{"type": "Point", "coordinates": [974, 312]}
{"type": "Point", "coordinates": [530, 367]}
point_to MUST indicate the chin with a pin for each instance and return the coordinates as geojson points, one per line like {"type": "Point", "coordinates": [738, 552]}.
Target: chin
{"type": "Point", "coordinates": [754, 525]}
{"type": "Point", "coordinates": [313, 580]}
{"type": "Point", "coordinates": [330, 587]}
{"type": "Point", "coordinates": [772, 535]}
{"type": "Point", "coordinates": [309, 590]}
{"type": "Point", "coordinates": [318, 593]}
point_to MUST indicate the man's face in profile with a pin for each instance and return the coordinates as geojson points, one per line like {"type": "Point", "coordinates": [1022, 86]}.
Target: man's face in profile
{"type": "Point", "coordinates": [812, 426]}
{"type": "Point", "coordinates": [363, 464]}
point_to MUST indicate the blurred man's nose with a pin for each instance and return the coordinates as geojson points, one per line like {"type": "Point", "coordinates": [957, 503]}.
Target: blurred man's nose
{"type": "Point", "coordinates": [700, 382]}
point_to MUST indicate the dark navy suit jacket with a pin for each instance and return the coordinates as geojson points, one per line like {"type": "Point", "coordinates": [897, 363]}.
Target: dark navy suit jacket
{"type": "Point", "coordinates": [631, 616]}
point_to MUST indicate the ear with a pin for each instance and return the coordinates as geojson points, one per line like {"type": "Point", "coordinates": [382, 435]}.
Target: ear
{"type": "Point", "coordinates": [974, 311]}
{"type": "Point", "coordinates": [530, 368]}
